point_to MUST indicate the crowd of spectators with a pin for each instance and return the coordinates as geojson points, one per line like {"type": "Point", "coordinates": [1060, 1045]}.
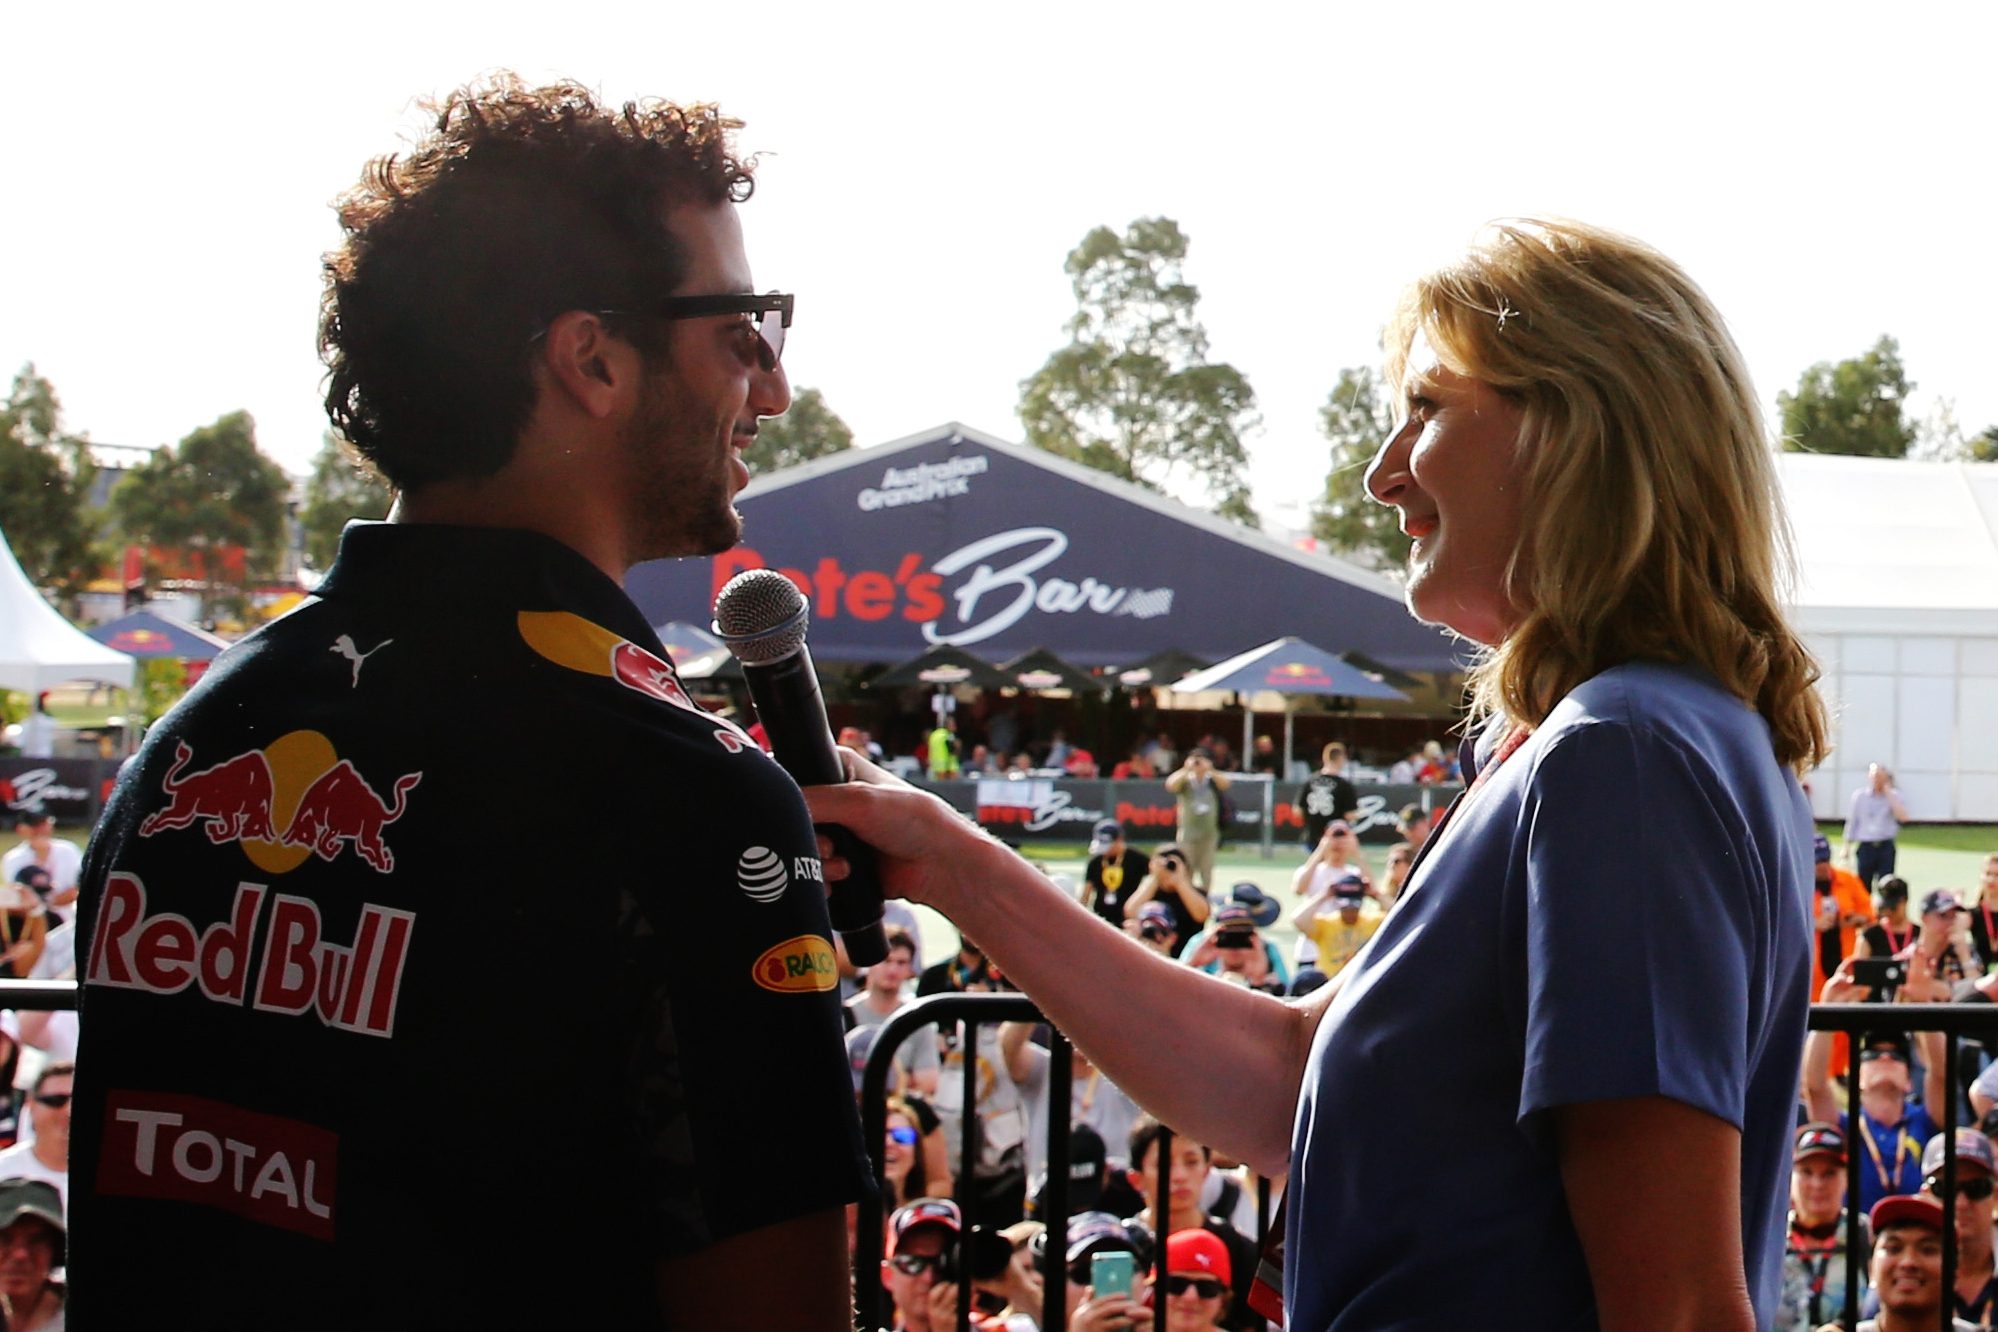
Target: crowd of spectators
{"type": "Point", "coordinates": [986, 1231]}
{"type": "Point", "coordinates": [1883, 940]}
{"type": "Point", "coordinates": [38, 889]}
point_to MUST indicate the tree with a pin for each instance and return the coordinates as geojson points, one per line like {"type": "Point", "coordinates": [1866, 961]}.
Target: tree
{"type": "Point", "coordinates": [1984, 448]}
{"type": "Point", "coordinates": [212, 491]}
{"type": "Point", "coordinates": [1133, 393]}
{"type": "Point", "coordinates": [45, 475]}
{"type": "Point", "coordinates": [1854, 407]}
{"type": "Point", "coordinates": [809, 430]}
{"type": "Point", "coordinates": [1357, 420]}
{"type": "Point", "coordinates": [342, 486]}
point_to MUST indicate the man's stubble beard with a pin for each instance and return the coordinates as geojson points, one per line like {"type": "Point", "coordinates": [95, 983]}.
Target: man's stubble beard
{"type": "Point", "coordinates": [678, 473]}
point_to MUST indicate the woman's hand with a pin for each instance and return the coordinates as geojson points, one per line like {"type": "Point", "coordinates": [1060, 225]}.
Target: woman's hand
{"type": "Point", "coordinates": [921, 843]}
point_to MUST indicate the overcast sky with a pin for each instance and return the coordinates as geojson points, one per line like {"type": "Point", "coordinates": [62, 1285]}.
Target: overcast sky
{"type": "Point", "coordinates": [1824, 169]}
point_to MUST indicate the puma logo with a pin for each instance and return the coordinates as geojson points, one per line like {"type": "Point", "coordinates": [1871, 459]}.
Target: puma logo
{"type": "Point", "coordinates": [344, 645]}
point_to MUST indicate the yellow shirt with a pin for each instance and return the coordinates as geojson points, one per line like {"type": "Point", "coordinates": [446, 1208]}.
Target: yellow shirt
{"type": "Point", "coordinates": [1339, 942]}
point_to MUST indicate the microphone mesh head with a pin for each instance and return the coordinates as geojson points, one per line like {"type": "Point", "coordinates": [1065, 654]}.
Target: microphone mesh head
{"type": "Point", "coordinates": [761, 615]}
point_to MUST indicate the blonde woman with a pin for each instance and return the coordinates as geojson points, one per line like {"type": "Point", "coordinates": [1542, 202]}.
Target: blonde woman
{"type": "Point", "coordinates": [1583, 1020]}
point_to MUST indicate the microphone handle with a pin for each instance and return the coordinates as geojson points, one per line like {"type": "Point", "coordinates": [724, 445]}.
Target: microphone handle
{"type": "Point", "coordinates": [793, 713]}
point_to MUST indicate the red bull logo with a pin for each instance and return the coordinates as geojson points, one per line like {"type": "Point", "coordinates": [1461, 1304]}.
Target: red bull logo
{"type": "Point", "coordinates": [297, 784]}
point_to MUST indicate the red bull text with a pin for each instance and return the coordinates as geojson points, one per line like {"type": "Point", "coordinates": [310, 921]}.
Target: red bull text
{"type": "Point", "coordinates": [348, 987]}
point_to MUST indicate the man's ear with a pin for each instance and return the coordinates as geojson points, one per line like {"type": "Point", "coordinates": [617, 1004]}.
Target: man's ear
{"type": "Point", "coordinates": [589, 365]}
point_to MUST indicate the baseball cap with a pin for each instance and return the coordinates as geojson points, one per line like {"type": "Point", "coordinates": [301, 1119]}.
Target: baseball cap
{"type": "Point", "coordinates": [1906, 1209]}
{"type": "Point", "coordinates": [1091, 1231]}
{"type": "Point", "coordinates": [1940, 900]}
{"type": "Point", "coordinates": [1338, 825]}
{"type": "Point", "coordinates": [1876, 1043]}
{"type": "Point", "coordinates": [1087, 1157]}
{"type": "Point", "coordinates": [1971, 1146]}
{"type": "Point", "coordinates": [1232, 913]}
{"type": "Point", "coordinates": [1199, 1251]}
{"type": "Point", "coordinates": [36, 1198]}
{"type": "Point", "coordinates": [1820, 850]}
{"type": "Point", "coordinates": [1263, 909]}
{"type": "Point", "coordinates": [1156, 913]}
{"type": "Point", "coordinates": [1819, 1139]}
{"type": "Point", "coordinates": [923, 1212]}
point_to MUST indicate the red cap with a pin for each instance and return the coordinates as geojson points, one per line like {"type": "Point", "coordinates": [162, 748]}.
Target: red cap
{"type": "Point", "coordinates": [1201, 1251]}
{"type": "Point", "coordinates": [922, 1212]}
{"type": "Point", "coordinates": [1905, 1208]}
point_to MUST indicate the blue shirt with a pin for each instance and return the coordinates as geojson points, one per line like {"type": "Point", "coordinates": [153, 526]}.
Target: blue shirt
{"type": "Point", "coordinates": [1894, 1163]}
{"type": "Point", "coordinates": [1621, 910]}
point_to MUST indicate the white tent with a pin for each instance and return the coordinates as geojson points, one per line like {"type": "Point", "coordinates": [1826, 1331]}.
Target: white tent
{"type": "Point", "coordinates": [1898, 597]}
{"type": "Point", "coordinates": [38, 648]}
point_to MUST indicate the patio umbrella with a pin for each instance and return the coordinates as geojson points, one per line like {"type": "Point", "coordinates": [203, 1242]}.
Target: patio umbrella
{"type": "Point", "coordinates": [1042, 669]}
{"type": "Point", "coordinates": [1159, 669]}
{"type": "Point", "coordinates": [146, 633]}
{"type": "Point", "coordinates": [697, 654]}
{"type": "Point", "coordinates": [941, 667]}
{"type": "Point", "coordinates": [1288, 666]}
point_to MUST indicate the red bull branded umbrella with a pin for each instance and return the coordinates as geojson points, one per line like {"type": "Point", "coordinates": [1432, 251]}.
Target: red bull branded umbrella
{"type": "Point", "coordinates": [1288, 666]}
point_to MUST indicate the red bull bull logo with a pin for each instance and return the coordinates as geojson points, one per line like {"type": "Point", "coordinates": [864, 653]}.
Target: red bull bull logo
{"type": "Point", "coordinates": [293, 799]}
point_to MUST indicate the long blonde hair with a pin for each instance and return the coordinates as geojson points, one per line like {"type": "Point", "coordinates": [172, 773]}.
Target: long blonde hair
{"type": "Point", "coordinates": [1655, 527]}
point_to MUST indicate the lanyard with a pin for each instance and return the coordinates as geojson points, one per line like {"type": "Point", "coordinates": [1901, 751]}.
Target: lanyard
{"type": "Point", "coordinates": [1887, 1181]}
{"type": "Point", "coordinates": [1895, 943]}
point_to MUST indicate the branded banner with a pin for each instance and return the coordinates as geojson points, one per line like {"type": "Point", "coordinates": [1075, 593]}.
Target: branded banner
{"type": "Point", "coordinates": [957, 538]}
{"type": "Point", "coordinates": [1049, 809]}
{"type": "Point", "coordinates": [73, 790]}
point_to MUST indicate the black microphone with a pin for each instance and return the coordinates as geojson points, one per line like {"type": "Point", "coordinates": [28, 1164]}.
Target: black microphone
{"type": "Point", "coordinates": [761, 615]}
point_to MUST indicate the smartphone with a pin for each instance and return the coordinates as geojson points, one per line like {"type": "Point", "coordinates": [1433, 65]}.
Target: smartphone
{"type": "Point", "coordinates": [1110, 1274]}
{"type": "Point", "coordinates": [1880, 973]}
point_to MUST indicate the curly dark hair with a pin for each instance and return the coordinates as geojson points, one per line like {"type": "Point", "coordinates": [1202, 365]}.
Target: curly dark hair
{"type": "Point", "coordinates": [520, 203]}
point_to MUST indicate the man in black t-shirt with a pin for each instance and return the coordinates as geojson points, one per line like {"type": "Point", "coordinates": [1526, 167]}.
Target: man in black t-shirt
{"type": "Point", "coordinates": [1112, 874]}
{"type": "Point", "coordinates": [330, 997]}
{"type": "Point", "coordinates": [1327, 795]}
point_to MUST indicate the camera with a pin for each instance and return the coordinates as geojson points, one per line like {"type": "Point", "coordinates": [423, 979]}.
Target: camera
{"type": "Point", "coordinates": [1155, 933]}
{"type": "Point", "coordinates": [978, 1254]}
{"type": "Point", "coordinates": [1235, 939]}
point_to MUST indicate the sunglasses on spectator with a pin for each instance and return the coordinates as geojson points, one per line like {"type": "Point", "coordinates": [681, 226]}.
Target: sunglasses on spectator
{"type": "Point", "coordinates": [1205, 1287]}
{"type": "Point", "coordinates": [54, 1100]}
{"type": "Point", "coordinates": [903, 1134]}
{"type": "Point", "coordinates": [1977, 1190]}
{"type": "Point", "coordinates": [914, 1264]}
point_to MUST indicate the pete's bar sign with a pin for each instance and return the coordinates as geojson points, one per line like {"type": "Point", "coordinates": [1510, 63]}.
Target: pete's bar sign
{"type": "Point", "coordinates": [348, 987]}
{"type": "Point", "coordinates": [264, 1168]}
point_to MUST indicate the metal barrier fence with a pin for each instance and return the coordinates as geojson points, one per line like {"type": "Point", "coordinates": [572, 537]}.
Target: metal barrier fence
{"type": "Point", "coordinates": [1954, 1021]}
{"type": "Point", "coordinates": [972, 1011]}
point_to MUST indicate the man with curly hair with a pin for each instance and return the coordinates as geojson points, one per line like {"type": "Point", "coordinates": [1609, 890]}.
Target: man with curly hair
{"type": "Point", "coordinates": [323, 1032]}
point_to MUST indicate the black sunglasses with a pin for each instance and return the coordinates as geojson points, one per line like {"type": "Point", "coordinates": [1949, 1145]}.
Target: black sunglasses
{"type": "Point", "coordinates": [1977, 1190]}
{"type": "Point", "coordinates": [913, 1264]}
{"type": "Point", "coordinates": [54, 1100]}
{"type": "Point", "coordinates": [1205, 1287]}
{"type": "Point", "coordinates": [771, 311]}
